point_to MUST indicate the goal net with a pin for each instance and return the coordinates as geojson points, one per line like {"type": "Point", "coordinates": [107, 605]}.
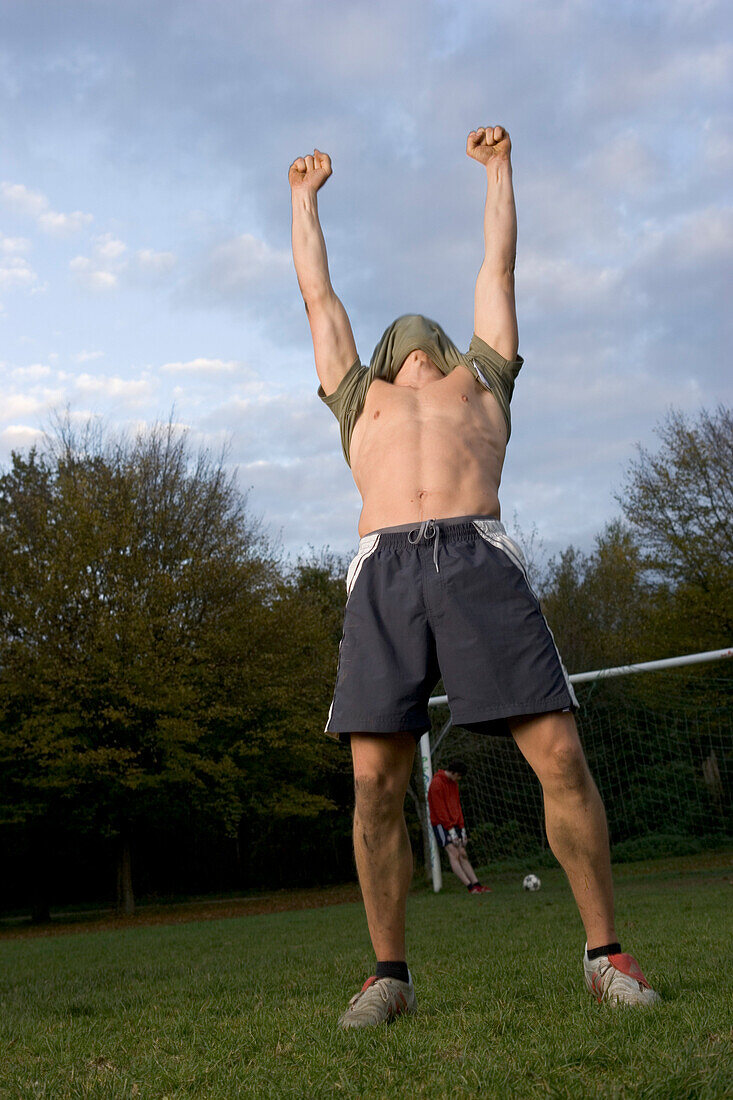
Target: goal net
{"type": "Point", "coordinates": [659, 745]}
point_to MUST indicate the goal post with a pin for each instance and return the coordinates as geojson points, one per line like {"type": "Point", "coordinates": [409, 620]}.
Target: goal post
{"type": "Point", "coordinates": [501, 781]}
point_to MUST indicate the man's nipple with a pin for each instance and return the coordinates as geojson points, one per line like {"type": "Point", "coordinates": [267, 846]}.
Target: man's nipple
{"type": "Point", "coordinates": [376, 414]}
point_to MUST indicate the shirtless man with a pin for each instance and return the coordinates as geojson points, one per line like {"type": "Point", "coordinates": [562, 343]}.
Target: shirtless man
{"type": "Point", "coordinates": [438, 588]}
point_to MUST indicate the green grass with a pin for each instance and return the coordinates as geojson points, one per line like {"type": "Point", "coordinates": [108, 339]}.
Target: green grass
{"type": "Point", "coordinates": [248, 1007]}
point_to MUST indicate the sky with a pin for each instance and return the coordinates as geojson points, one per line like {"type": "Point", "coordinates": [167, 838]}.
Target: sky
{"type": "Point", "coordinates": [145, 263]}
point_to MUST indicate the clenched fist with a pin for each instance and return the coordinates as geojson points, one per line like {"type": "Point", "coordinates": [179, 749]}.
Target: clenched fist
{"type": "Point", "coordinates": [488, 143]}
{"type": "Point", "coordinates": [310, 173]}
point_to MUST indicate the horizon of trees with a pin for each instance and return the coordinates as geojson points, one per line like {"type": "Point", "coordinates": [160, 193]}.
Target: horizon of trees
{"type": "Point", "coordinates": [164, 673]}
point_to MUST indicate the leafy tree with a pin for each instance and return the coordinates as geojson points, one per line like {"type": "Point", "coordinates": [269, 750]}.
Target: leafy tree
{"type": "Point", "coordinates": [295, 774]}
{"type": "Point", "coordinates": [679, 503]}
{"type": "Point", "coordinates": [596, 604]}
{"type": "Point", "coordinates": [118, 562]}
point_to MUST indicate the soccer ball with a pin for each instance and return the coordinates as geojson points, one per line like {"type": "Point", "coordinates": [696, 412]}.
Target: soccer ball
{"type": "Point", "coordinates": [531, 882]}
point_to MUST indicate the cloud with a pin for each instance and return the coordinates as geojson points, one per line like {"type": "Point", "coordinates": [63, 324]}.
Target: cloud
{"type": "Point", "coordinates": [547, 283]}
{"type": "Point", "coordinates": [13, 245]}
{"type": "Point", "coordinates": [31, 397]}
{"type": "Point", "coordinates": [679, 280]}
{"type": "Point", "coordinates": [244, 271]}
{"type": "Point", "coordinates": [623, 162]}
{"type": "Point", "coordinates": [101, 270]}
{"type": "Point", "coordinates": [202, 366]}
{"type": "Point", "coordinates": [17, 274]}
{"type": "Point", "coordinates": [705, 66]}
{"type": "Point", "coordinates": [90, 276]}
{"type": "Point", "coordinates": [21, 200]}
{"type": "Point", "coordinates": [20, 437]}
{"type": "Point", "coordinates": [155, 263]}
{"type": "Point", "coordinates": [20, 404]}
{"type": "Point", "coordinates": [281, 426]}
{"type": "Point", "coordinates": [86, 356]}
{"type": "Point", "coordinates": [622, 143]}
{"type": "Point", "coordinates": [108, 248]}
{"type": "Point", "coordinates": [31, 373]}
{"type": "Point", "coordinates": [130, 390]}
{"type": "Point", "coordinates": [308, 502]}
{"type": "Point", "coordinates": [717, 146]}
{"type": "Point", "coordinates": [108, 263]}
{"type": "Point", "coordinates": [690, 242]}
{"type": "Point", "coordinates": [63, 224]}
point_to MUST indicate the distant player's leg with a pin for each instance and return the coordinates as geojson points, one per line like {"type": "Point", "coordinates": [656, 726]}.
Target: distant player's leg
{"type": "Point", "coordinates": [457, 865]}
{"type": "Point", "coordinates": [465, 863]}
{"type": "Point", "coordinates": [578, 835]}
{"type": "Point", "coordinates": [382, 769]}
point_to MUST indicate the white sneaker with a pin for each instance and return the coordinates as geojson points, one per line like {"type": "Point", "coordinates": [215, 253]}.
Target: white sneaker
{"type": "Point", "coordinates": [618, 980]}
{"type": "Point", "coordinates": [379, 1001]}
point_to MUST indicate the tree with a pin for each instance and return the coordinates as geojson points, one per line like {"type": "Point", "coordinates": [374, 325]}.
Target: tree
{"type": "Point", "coordinates": [596, 604]}
{"type": "Point", "coordinates": [118, 561]}
{"type": "Point", "coordinates": [679, 503]}
{"type": "Point", "coordinates": [293, 775]}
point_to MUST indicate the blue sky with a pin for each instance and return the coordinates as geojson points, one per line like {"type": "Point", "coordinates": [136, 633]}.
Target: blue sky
{"type": "Point", "coordinates": [145, 224]}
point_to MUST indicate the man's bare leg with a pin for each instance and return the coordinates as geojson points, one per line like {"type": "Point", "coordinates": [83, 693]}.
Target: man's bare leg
{"type": "Point", "coordinates": [382, 769]}
{"type": "Point", "coordinates": [574, 816]}
{"type": "Point", "coordinates": [466, 864]}
{"type": "Point", "coordinates": [458, 865]}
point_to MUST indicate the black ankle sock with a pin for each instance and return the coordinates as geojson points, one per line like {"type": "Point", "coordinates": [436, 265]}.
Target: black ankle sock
{"type": "Point", "coordinates": [471, 885]}
{"type": "Point", "coordinates": [396, 970]}
{"type": "Point", "coordinates": [608, 949]}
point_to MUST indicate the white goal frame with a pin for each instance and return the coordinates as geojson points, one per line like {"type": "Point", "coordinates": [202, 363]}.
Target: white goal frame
{"type": "Point", "coordinates": [427, 751]}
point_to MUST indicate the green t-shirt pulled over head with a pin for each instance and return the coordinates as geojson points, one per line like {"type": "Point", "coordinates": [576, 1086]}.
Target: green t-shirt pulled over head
{"type": "Point", "coordinates": [408, 333]}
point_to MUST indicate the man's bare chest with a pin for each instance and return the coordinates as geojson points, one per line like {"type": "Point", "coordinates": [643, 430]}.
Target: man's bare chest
{"type": "Point", "coordinates": [455, 404]}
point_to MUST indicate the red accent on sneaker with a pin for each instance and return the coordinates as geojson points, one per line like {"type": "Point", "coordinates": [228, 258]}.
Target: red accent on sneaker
{"type": "Point", "coordinates": [403, 1001]}
{"type": "Point", "coordinates": [485, 889]}
{"type": "Point", "coordinates": [368, 982]}
{"type": "Point", "coordinates": [597, 988]}
{"type": "Point", "coordinates": [627, 964]}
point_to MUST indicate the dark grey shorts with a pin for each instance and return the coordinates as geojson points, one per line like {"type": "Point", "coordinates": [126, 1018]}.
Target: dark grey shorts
{"type": "Point", "coordinates": [446, 598]}
{"type": "Point", "coordinates": [441, 835]}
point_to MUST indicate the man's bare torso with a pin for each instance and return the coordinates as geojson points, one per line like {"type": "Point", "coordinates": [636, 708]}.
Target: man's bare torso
{"type": "Point", "coordinates": [427, 446]}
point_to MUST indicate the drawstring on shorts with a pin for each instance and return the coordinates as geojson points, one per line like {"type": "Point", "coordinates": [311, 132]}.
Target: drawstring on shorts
{"type": "Point", "coordinates": [428, 529]}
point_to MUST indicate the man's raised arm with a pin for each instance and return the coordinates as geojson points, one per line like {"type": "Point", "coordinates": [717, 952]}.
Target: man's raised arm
{"type": "Point", "coordinates": [333, 340]}
{"type": "Point", "coordinates": [495, 316]}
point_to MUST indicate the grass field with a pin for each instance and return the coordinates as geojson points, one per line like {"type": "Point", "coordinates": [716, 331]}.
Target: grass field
{"type": "Point", "coordinates": [248, 1006]}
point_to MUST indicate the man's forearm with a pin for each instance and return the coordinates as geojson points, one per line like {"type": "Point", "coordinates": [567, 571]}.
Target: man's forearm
{"type": "Point", "coordinates": [309, 247]}
{"type": "Point", "coordinates": [500, 219]}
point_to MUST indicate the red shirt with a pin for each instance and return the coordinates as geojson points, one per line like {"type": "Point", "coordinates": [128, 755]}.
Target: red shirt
{"type": "Point", "coordinates": [445, 802]}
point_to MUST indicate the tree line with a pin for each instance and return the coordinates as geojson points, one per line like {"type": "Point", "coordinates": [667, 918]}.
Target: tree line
{"type": "Point", "coordinates": [165, 674]}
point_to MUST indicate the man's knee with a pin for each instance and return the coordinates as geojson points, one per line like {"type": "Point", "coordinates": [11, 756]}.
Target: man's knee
{"type": "Point", "coordinates": [378, 794]}
{"type": "Point", "coordinates": [558, 758]}
{"type": "Point", "coordinates": [565, 767]}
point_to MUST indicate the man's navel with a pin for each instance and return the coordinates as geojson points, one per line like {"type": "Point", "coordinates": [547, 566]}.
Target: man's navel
{"type": "Point", "coordinates": [376, 414]}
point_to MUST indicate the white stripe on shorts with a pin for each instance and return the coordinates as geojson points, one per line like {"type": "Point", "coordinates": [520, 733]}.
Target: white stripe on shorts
{"type": "Point", "coordinates": [367, 546]}
{"type": "Point", "coordinates": [514, 552]}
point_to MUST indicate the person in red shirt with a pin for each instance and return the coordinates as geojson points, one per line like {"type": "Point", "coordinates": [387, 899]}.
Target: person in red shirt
{"type": "Point", "coordinates": [446, 818]}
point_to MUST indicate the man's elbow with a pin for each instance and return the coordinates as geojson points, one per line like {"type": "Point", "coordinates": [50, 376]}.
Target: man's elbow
{"type": "Point", "coordinates": [499, 270]}
{"type": "Point", "coordinates": [316, 294]}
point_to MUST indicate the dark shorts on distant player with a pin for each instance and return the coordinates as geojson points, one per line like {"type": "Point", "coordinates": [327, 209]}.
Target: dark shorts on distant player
{"type": "Point", "coordinates": [443, 598]}
{"type": "Point", "coordinates": [441, 835]}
